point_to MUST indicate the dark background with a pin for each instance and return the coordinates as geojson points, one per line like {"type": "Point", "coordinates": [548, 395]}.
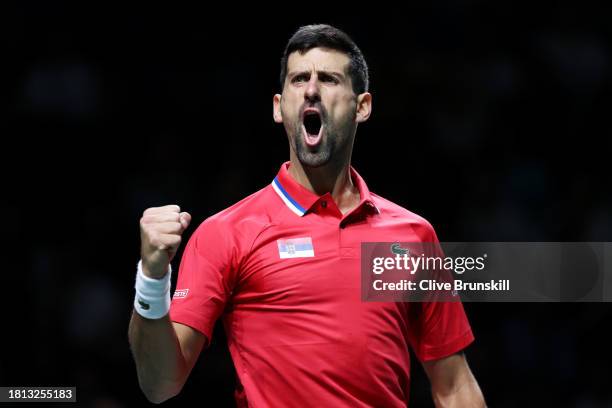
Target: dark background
{"type": "Point", "coordinates": [490, 119]}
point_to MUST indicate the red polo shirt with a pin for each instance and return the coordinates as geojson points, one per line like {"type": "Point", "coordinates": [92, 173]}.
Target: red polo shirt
{"type": "Point", "coordinates": [282, 269]}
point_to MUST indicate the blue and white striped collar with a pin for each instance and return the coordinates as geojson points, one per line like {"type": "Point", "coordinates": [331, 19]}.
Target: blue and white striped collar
{"type": "Point", "coordinates": [299, 199]}
{"type": "Point", "coordinates": [289, 201]}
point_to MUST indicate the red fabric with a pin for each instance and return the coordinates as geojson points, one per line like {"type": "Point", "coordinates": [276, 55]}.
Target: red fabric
{"type": "Point", "coordinates": [297, 329]}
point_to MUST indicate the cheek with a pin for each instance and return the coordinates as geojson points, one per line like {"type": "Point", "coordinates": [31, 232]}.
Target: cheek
{"type": "Point", "coordinates": [342, 106]}
{"type": "Point", "coordinates": [288, 109]}
{"type": "Point", "coordinates": [342, 112]}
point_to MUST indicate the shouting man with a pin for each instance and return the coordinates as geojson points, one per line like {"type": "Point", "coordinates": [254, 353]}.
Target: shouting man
{"type": "Point", "coordinates": [281, 268]}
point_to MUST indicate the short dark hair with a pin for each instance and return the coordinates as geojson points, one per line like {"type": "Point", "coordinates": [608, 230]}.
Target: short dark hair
{"type": "Point", "coordinates": [326, 36]}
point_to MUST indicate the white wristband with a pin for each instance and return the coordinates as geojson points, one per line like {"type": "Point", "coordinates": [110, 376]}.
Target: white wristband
{"type": "Point", "coordinates": [152, 295]}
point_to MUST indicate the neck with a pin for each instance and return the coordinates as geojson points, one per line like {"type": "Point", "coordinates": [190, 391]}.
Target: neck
{"type": "Point", "coordinates": [333, 178]}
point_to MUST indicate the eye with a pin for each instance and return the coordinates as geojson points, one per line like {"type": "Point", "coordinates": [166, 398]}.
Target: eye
{"type": "Point", "coordinates": [300, 78]}
{"type": "Point", "coordinates": [328, 79]}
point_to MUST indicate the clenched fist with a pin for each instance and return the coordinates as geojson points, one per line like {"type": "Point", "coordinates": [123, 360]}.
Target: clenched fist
{"type": "Point", "coordinates": [160, 237]}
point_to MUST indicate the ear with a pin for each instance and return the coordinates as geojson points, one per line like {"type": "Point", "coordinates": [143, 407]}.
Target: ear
{"type": "Point", "coordinates": [364, 107]}
{"type": "Point", "coordinates": [277, 114]}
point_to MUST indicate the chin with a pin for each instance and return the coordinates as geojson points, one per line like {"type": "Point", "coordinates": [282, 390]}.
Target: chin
{"type": "Point", "coordinates": [314, 160]}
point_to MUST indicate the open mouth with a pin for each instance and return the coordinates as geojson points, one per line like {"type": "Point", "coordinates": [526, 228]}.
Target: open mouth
{"type": "Point", "coordinates": [312, 128]}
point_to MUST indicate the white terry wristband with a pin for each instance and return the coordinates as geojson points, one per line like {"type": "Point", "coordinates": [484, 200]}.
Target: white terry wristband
{"type": "Point", "coordinates": [152, 295]}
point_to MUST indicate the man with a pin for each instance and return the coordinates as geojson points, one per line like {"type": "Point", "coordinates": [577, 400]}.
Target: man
{"type": "Point", "coordinates": [282, 268]}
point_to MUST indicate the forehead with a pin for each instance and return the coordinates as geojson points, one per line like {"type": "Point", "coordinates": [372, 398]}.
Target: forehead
{"type": "Point", "coordinates": [321, 59]}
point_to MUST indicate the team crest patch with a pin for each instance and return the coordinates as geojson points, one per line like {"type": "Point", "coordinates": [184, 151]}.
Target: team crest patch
{"type": "Point", "coordinates": [295, 248]}
{"type": "Point", "coordinates": [180, 293]}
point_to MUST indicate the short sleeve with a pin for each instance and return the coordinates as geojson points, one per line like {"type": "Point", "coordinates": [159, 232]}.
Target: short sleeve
{"type": "Point", "coordinates": [205, 279]}
{"type": "Point", "coordinates": [438, 329]}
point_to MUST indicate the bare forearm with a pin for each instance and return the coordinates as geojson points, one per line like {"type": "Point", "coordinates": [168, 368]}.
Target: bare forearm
{"type": "Point", "coordinates": [465, 394]}
{"type": "Point", "coordinates": [160, 364]}
{"type": "Point", "coordinates": [452, 383]}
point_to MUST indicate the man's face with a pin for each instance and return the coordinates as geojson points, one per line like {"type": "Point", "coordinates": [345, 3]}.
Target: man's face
{"type": "Point", "coordinates": [318, 106]}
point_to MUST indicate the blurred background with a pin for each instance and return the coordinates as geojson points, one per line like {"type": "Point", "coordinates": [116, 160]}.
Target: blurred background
{"type": "Point", "coordinates": [490, 119]}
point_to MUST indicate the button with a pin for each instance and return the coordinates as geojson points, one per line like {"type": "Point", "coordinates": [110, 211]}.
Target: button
{"type": "Point", "coordinates": [324, 204]}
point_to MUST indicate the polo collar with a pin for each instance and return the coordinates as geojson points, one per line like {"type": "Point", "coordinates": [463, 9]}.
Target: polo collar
{"type": "Point", "coordinates": [299, 199]}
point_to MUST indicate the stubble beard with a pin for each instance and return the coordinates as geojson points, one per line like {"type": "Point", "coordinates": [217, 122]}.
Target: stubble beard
{"type": "Point", "coordinates": [317, 156]}
{"type": "Point", "coordinates": [332, 140]}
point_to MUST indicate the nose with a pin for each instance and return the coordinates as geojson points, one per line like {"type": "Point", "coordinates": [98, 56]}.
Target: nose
{"type": "Point", "coordinates": [312, 93]}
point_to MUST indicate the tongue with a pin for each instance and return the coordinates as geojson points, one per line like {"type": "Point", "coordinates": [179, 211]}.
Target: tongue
{"type": "Point", "coordinates": [312, 140]}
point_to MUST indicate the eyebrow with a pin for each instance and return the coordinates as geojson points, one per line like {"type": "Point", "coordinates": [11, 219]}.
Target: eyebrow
{"type": "Point", "coordinates": [324, 72]}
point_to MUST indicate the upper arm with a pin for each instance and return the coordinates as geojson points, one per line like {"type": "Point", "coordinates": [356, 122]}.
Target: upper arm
{"type": "Point", "coordinates": [191, 341]}
{"type": "Point", "coordinates": [439, 325]}
{"type": "Point", "coordinates": [206, 277]}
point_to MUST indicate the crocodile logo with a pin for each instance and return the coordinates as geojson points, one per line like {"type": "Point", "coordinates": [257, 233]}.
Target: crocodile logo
{"type": "Point", "coordinates": [143, 305]}
{"type": "Point", "coordinates": [398, 250]}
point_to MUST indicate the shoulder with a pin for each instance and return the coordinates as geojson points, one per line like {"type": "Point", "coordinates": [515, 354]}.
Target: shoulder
{"type": "Point", "coordinates": [244, 220]}
{"type": "Point", "coordinates": [390, 210]}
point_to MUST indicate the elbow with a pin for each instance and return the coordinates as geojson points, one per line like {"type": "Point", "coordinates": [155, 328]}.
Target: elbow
{"type": "Point", "coordinates": [157, 398]}
{"type": "Point", "coordinates": [161, 393]}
